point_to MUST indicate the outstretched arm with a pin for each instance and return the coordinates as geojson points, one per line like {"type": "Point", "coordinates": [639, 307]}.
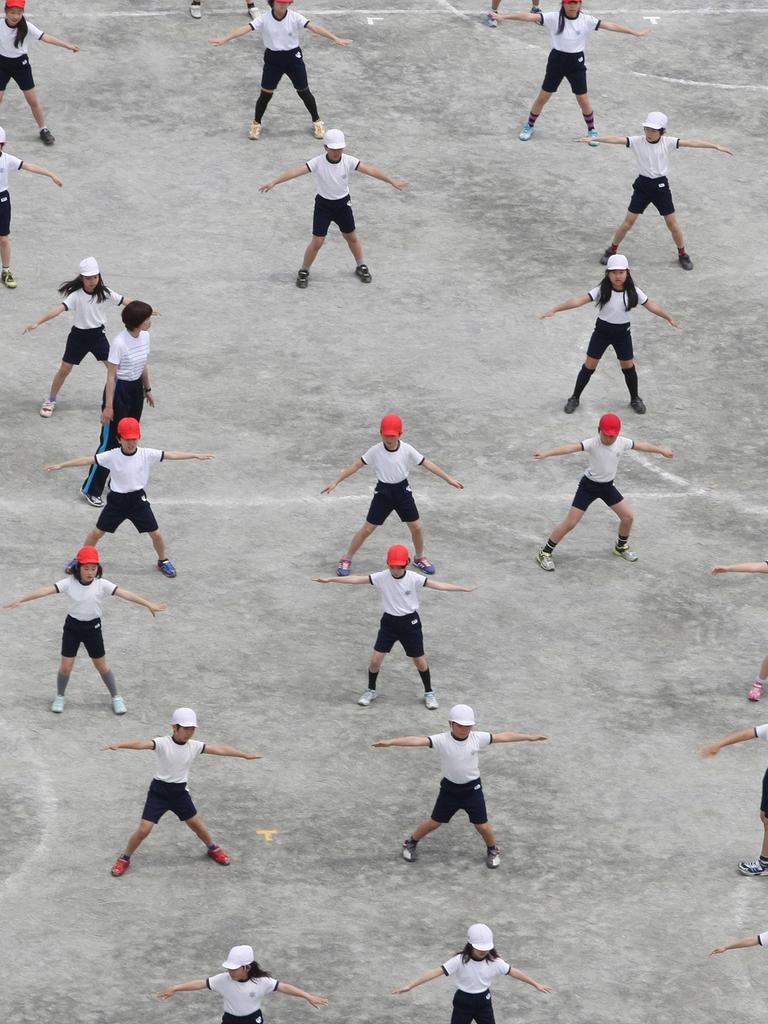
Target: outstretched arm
{"type": "Point", "coordinates": [741, 567]}
{"type": "Point", "coordinates": [433, 467]}
{"type": "Point", "coordinates": [131, 745]}
{"type": "Point", "coordinates": [738, 944]}
{"type": "Point", "coordinates": [292, 990]}
{"type": "Point", "coordinates": [516, 737]}
{"type": "Point", "coordinates": [46, 37]}
{"type": "Point", "coordinates": [611, 140]}
{"type": "Point", "coordinates": [700, 144]}
{"type": "Point", "coordinates": [320, 31]}
{"type": "Point", "coordinates": [288, 176]}
{"type": "Point", "coordinates": [440, 585]}
{"type": "Point", "coordinates": [340, 579]}
{"type": "Point", "coordinates": [435, 972]}
{"type": "Point", "coordinates": [33, 596]}
{"type": "Point", "coordinates": [36, 169]}
{"type": "Point", "coordinates": [83, 460]}
{"type": "Point", "coordinates": [527, 16]}
{"type": "Point", "coordinates": [736, 737]}
{"type": "Point", "coordinates": [181, 456]}
{"type": "Point", "coordinates": [655, 308]}
{"type": "Point", "coordinates": [231, 752]}
{"type": "Point", "coordinates": [45, 318]}
{"type": "Point", "coordinates": [579, 300]}
{"type": "Point", "coordinates": [374, 172]}
{"type": "Point", "coordinates": [519, 975]}
{"type": "Point", "coordinates": [185, 986]}
{"type": "Point", "coordinates": [612, 26]}
{"type": "Point", "coordinates": [151, 606]}
{"type": "Point", "coordinates": [351, 468]}
{"type": "Point", "coordinates": [234, 34]}
{"type": "Point", "coordinates": [564, 449]}
{"type": "Point", "coordinates": [404, 741]}
{"type": "Point", "coordinates": [654, 449]}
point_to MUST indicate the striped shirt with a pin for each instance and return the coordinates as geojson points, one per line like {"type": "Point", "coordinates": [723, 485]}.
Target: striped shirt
{"type": "Point", "coordinates": [129, 354]}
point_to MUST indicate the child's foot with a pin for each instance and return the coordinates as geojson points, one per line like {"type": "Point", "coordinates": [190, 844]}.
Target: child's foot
{"type": "Point", "coordinates": [194, 9]}
{"type": "Point", "coordinates": [217, 854]}
{"type": "Point", "coordinates": [526, 132]}
{"type": "Point", "coordinates": [593, 133]}
{"type": "Point", "coordinates": [318, 129]}
{"type": "Point", "coordinates": [638, 405]}
{"type": "Point", "coordinates": [47, 136]}
{"type": "Point", "coordinates": [363, 273]}
{"type": "Point", "coordinates": [535, 9]}
{"type": "Point", "coordinates": [544, 558]}
{"type": "Point", "coordinates": [490, 21]}
{"type": "Point", "coordinates": [368, 698]}
{"type": "Point", "coordinates": [430, 700]}
{"type": "Point", "coordinates": [8, 279]}
{"type": "Point", "coordinates": [623, 552]}
{"type": "Point", "coordinates": [166, 567]}
{"type": "Point", "coordinates": [58, 704]}
{"type": "Point", "coordinates": [571, 405]}
{"type": "Point", "coordinates": [607, 255]}
{"type": "Point", "coordinates": [302, 279]}
{"type": "Point", "coordinates": [46, 409]}
{"type": "Point", "coordinates": [754, 867]}
{"type": "Point", "coordinates": [409, 850]}
{"type": "Point", "coordinates": [118, 705]}
{"type": "Point", "coordinates": [121, 865]}
{"type": "Point", "coordinates": [756, 692]}
{"type": "Point", "coordinates": [344, 566]}
{"type": "Point", "coordinates": [93, 499]}
{"type": "Point", "coordinates": [685, 261]}
{"type": "Point", "coordinates": [254, 132]}
{"type": "Point", "coordinates": [493, 857]}
{"type": "Point", "coordinates": [425, 565]}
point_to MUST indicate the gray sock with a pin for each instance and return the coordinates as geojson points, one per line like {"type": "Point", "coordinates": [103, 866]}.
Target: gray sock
{"type": "Point", "coordinates": [109, 681]}
{"type": "Point", "coordinates": [61, 683]}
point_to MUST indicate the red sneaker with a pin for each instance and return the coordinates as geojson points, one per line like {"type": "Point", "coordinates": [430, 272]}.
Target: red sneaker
{"type": "Point", "coordinates": [218, 855]}
{"type": "Point", "coordinates": [120, 866]}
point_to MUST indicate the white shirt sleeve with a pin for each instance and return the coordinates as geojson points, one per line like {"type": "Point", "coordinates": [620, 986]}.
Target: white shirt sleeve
{"type": "Point", "coordinates": [550, 19]}
{"type": "Point", "coordinates": [215, 983]}
{"type": "Point", "coordinates": [351, 162]}
{"type": "Point", "coordinates": [483, 740]}
{"type": "Point", "coordinates": [196, 746]}
{"type": "Point", "coordinates": [106, 459]}
{"type": "Point", "coordinates": [437, 741]}
{"type": "Point", "coordinates": [38, 33]}
{"type": "Point", "coordinates": [414, 457]}
{"type": "Point", "coordinates": [64, 586]}
{"type": "Point", "coordinates": [594, 293]}
{"type": "Point", "coordinates": [500, 966]}
{"type": "Point", "coordinates": [761, 732]}
{"type": "Point", "coordinates": [642, 298]}
{"type": "Point", "coordinates": [12, 163]}
{"type": "Point", "coordinates": [106, 587]}
{"type": "Point", "coordinates": [115, 352]}
{"type": "Point", "coordinates": [257, 22]}
{"type": "Point", "coordinates": [762, 938]}
{"type": "Point", "coordinates": [115, 297]}
{"type": "Point", "coordinates": [671, 143]}
{"type": "Point", "coordinates": [369, 454]}
{"type": "Point", "coordinates": [452, 966]}
{"type": "Point", "coordinates": [154, 455]}
{"type": "Point", "coordinates": [591, 23]}
{"type": "Point", "coordinates": [589, 444]}
{"type": "Point", "coordinates": [314, 163]}
{"type": "Point", "coordinates": [626, 443]}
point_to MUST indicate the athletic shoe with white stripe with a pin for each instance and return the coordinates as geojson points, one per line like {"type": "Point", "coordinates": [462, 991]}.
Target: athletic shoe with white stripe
{"type": "Point", "coordinates": [166, 567]}
{"type": "Point", "coordinates": [194, 9]}
{"type": "Point", "coordinates": [625, 553]}
{"type": "Point", "coordinates": [58, 704]}
{"type": "Point", "coordinates": [490, 21]}
{"type": "Point", "coordinates": [493, 857]}
{"type": "Point", "coordinates": [409, 850]}
{"type": "Point", "coordinates": [544, 558]}
{"type": "Point", "coordinates": [430, 700]}
{"type": "Point", "coordinates": [118, 705]}
{"type": "Point", "coordinates": [46, 409]}
{"type": "Point", "coordinates": [753, 867]}
{"type": "Point", "coordinates": [93, 499]}
{"type": "Point", "coordinates": [368, 698]}
{"type": "Point", "coordinates": [526, 131]}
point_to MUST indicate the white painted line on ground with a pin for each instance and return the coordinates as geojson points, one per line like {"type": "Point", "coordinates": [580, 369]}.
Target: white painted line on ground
{"type": "Point", "coordinates": [47, 807]}
{"type": "Point", "coordinates": [708, 85]}
{"type": "Point", "coordinates": [654, 467]}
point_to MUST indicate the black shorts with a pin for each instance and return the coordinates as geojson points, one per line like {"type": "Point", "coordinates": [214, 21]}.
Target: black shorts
{"type": "Point", "coordinates": [651, 190]}
{"type": "Point", "coordinates": [81, 341]}
{"type": "Point", "coordinates": [764, 801]}
{"type": "Point", "coordinates": [168, 796]}
{"type": "Point", "coordinates": [605, 335]}
{"type": "Point", "coordinates": [284, 62]}
{"type": "Point", "coordinates": [392, 498]}
{"type": "Point", "coordinates": [472, 1006]}
{"type": "Point", "coordinates": [590, 490]}
{"type": "Point", "coordinates": [132, 506]}
{"type": "Point", "coordinates": [77, 632]}
{"type": "Point", "coordinates": [18, 69]}
{"type": "Point", "coordinates": [5, 213]}
{"type": "Point", "coordinates": [464, 796]}
{"type": "Point", "coordinates": [248, 1018]}
{"type": "Point", "coordinates": [405, 629]}
{"type": "Point", "coordinates": [565, 65]}
{"type": "Point", "coordinates": [332, 211]}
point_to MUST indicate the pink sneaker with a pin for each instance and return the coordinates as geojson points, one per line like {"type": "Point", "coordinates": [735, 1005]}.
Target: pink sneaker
{"type": "Point", "coordinates": [756, 692]}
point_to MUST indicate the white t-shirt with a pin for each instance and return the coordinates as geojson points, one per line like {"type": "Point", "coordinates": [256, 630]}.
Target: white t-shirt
{"type": "Point", "coordinates": [574, 35]}
{"type": "Point", "coordinates": [88, 311]}
{"type": "Point", "coordinates": [8, 163]}
{"type": "Point", "coordinates": [399, 596]}
{"type": "Point", "coordinates": [392, 467]}
{"type": "Point", "coordinates": [129, 354]}
{"type": "Point", "coordinates": [615, 311]}
{"type": "Point", "coordinates": [280, 33]}
{"type": "Point", "coordinates": [460, 759]}
{"type": "Point", "coordinates": [761, 732]}
{"type": "Point", "coordinates": [129, 472]}
{"type": "Point", "coordinates": [604, 458]}
{"type": "Point", "coordinates": [241, 998]}
{"type": "Point", "coordinates": [652, 157]}
{"type": "Point", "coordinates": [762, 938]}
{"type": "Point", "coordinates": [475, 975]}
{"type": "Point", "coordinates": [85, 601]}
{"type": "Point", "coordinates": [8, 46]}
{"type": "Point", "coordinates": [175, 759]}
{"type": "Point", "coordinates": [333, 178]}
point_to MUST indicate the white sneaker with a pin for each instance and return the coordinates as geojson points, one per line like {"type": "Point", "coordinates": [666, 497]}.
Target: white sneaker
{"type": "Point", "coordinates": [625, 553]}
{"type": "Point", "coordinates": [118, 705]}
{"type": "Point", "coordinates": [318, 129]}
{"type": "Point", "coordinates": [545, 560]}
{"type": "Point", "coordinates": [430, 700]}
{"type": "Point", "coordinates": [254, 132]}
{"type": "Point", "coordinates": [58, 704]}
{"type": "Point", "coordinates": [194, 9]}
{"type": "Point", "coordinates": [46, 409]}
{"type": "Point", "coordinates": [490, 21]}
{"type": "Point", "coordinates": [368, 698]}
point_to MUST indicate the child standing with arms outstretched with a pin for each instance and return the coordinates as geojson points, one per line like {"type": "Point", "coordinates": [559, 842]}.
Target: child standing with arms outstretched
{"type": "Point", "coordinates": [400, 622]}
{"type": "Point", "coordinates": [651, 150]}
{"type": "Point", "coordinates": [460, 787]}
{"type": "Point", "coordinates": [616, 296]}
{"type": "Point", "coordinates": [762, 676]}
{"type": "Point", "coordinates": [86, 590]}
{"type": "Point", "coordinates": [168, 790]}
{"type": "Point", "coordinates": [391, 459]}
{"type": "Point", "coordinates": [604, 452]}
{"type": "Point", "coordinates": [473, 971]}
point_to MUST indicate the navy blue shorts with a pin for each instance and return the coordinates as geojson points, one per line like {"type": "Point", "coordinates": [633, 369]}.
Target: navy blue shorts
{"type": "Point", "coordinates": [647, 191]}
{"type": "Point", "coordinates": [78, 632]}
{"type": "Point", "coordinates": [605, 335]}
{"type": "Point", "coordinates": [465, 796]}
{"type": "Point", "coordinates": [249, 1018]}
{"type": "Point", "coordinates": [332, 211]}
{"type": "Point", "coordinates": [284, 62]}
{"type": "Point", "coordinates": [81, 341]}
{"type": "Point", "coordinates": [590, 490]}
{"type": "Point", "coordinates": [472, 1006]}
{"type": "Point", "coordinates": [18, 69]}
{"type": "Point", "coordinates": [764, 801]}
{"type": "Point", "coordinates": [392, 498]}
{"type": "Point", "coordinates": [405, 629]}
{"type": "Point", "coordinates": [168, 796]}
{"type": "Point", "coordinates": [565, 65]}
{"type": "Point", "coordinates": [132, 506]}
{"type": "Point", "coordinates": [5, 213]}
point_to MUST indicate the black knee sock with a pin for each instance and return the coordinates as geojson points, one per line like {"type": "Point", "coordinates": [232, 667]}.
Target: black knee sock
{"type": "Point", "coordinates": [426, 679]}
{"type": "Point", "coordinates": [582, 380]}
{"type": "Point", "coordinates": [372, 677]}
{"type": "Point", "coordinates": [61, 683]}
{"type": "Point", "coordinates": [622, 542]}
{"type": "Point", "coordinates": [630, 379]}
{"type": "Point", "coordinates": [309, 102]}
{"type": "Point", "coordinates": [550, 546]}
{"type": "Point", "coordinates": [261, 105]}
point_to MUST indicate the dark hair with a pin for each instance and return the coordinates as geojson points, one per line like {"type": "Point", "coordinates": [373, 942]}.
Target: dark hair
{"type": "Point", "coordinates": [135, 313]}
{"type": "Point", "coordinates": [76, 572]}
{"type": "Point", "coordinates": [21, 32]}
{"type": "Point", "coordinates": [630, 292]}
{"type": "Point", "coordinates": [255, 971]}
{"type": "Point", "coordinates": [561, 19]}
{"type": "Point", "coordinates": [76, 284]}
{"type": "Point", "coordinates": [466, 954]}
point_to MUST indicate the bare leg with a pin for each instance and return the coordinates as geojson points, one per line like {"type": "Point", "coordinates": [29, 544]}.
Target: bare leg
{"type": "Point", "coordinates": [34, 105]}
{"type": "Point", "coordinates": [585, 103]}
{"type": "Point", "coordinates": [138, 837]}
{"type": "Point", "coordinates": [563, 529]}
{"type": "Point", "coordinates": [624, 511]}
{"type": "Point", "coordinates": [312, 250]}
{"type": "Point", "coordinates": [360, 537]}
{"type": "Point", "coordinates": [425, 828]}
{"type": "Point", "coordinates": [61, 375]}
{"type": "Point", "coordinates": [623, 228]}
{"type": "Point", "coordinates": [158, 543]}
{"type": "Point", "coordinates": [93, 537]}
{"type": "Point", "coordinates": [675, 230]}
{"type": "Point", "coordinates": [486, 832]}
{"type": "Point", "coordinates": [764, 668]}
{"type": "Point", "coordinates": [421, 663]}
{"type": "Point", "coordinates": [764, 851]}
{"type": "Point", "coordinates": [417, 535]}
{"type": "Point", "coordinates": [5, 251]}
{"type": "Point", "coordinates": [377, 660]}
{"type": "Point", "coordinates": [540, 102]}
{"type": "Point", "coordinates": [355, 245]}
{"type": "Point", "coordinates": [200, 829]}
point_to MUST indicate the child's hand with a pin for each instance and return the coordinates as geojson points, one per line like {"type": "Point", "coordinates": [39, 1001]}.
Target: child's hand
{"type": "Point", "coordinates": [268, 187]}
{"type": "Point", "coordinates": [674, 323]}
{"type": "Point", "coordinates": [29, 327]}
{"type": "Point", "coordinates": [535, 739]}
{"type": "Point", "coordinates": [12, 604]}
{"type": "Point", "coordinates": [204, 456]}
{"type": "Point", "coordinates": [539, 455]}
{"type": "Point", "coordinates": [166, 993]}
{"type": "Point", "coordinates": [468, 590]}
{"type": "Point", "coordinates": [720, 949]}
{"type": "Point", "coordinates": [329, 488]}
{"type": "Point", "coordinates": [718, 569]}
{"type": "Point", "coordinates": [213, 42]}
{"type": "Point", "coordinates": [384, 743]}
{"type": "Point", "coordinates": [252, 757]}
{"type": "Point", "coordinates": [711, 750]}
{"type": "Point", "coordinates": [107, 414]}
{"type": "Point", "coordinates": [318, 1001]}
{"type": "Point", "coordinates": [724, 149]}
{"type": "Point", "coordinates": [455, 483]}
{"type": "Point", "coordinates": [155, 608]}
{"type": "Point", "coordinates": [113, 746]}
{"type": "Point", "coordinates": [406, 988]}
{"type": "Point", "coordinates": [150, 399]}
{"type": "Point", "coordinates": [322, 579]}
{"type": "Point", "coordinates": [56, 180]}
{"type": "Point", "coordinates": [343, 42]}
{"type": "Point", "coordinates": [51, 469]}
{"type": "Point", "coordinates": [550, 312]}
{"type": "Point", "coordinates": [542, 988]}
{"type": "Point", "coordinates": [667, 453]}
{"type": "Point", "coordinates": [399, 185]}
{"type": "Point", "coordinates": [74, 49]}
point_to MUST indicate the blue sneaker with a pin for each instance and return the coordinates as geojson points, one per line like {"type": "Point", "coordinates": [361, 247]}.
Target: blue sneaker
{"type": "Point", "coordinates": [166, 567]}
{"type": "Point", "coordinates": [535, 9]}
{"type": "Point", "coordinates": [753, 867]}
{"type": "Point", "coordinates": [69, 568]}
{"type": "Point", "coordinates": [343, 567]}
{"type": "Point", "coordinates": [490, 21]}
{"type": "Point", "coordinates": [425, 565]}
{"type": "Point", "coordinates": [526, 131]}
{"type": "Point", "coordinates": [593, 133]}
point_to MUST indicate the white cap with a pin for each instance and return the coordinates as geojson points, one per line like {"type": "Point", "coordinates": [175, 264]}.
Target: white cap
{"type": "Point", "coordinates": [461, 714]}
{"type": "Point", "coordinates": [2, 134]}
{"type": "Point", "coordinates": [655, 120]}
{"type": "Point", "coordinates": [334, 139]}
{"type": "Point", "coordinates": [479, 936]}
{"type": "Point", "coordinates": [89, 267]}
{"type": "Point", "coordinates": [185, 717]}
{"type": "Point", "coordinates": [239, 956]}
{"type": "Point", "coordinates": [617, 262]}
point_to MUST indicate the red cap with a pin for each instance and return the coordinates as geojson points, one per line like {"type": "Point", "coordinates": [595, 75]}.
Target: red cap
{"type": "Point", "coordinates": [129, 428]}
{"type": "Point", "coordinates": [391, 425]}
{"type": "Point", "coordinates": [398, 555]}
{"type": "Point", "coordinates": [15, 3]}
{"type": "Point", "coordinates": [609, 424]}
{"type": "Point", "coordinates": [87, 556]}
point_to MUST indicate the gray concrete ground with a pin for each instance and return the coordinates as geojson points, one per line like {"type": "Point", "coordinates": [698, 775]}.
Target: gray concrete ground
{"type": "Point", "coordinates": [620, 844]}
